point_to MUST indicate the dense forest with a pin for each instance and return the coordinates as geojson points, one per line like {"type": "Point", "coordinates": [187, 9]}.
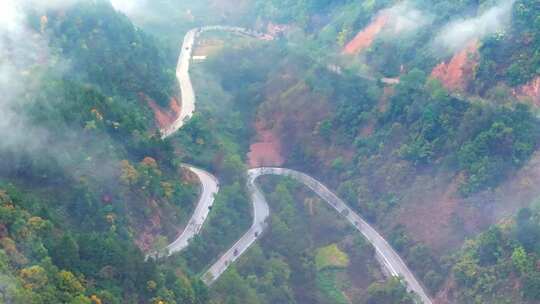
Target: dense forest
{"type": "Point", "coordinates": [384, 146]}
{"type": "Point", "coordinates": [421, 114]}
{"type": "Point", "coordinates": [318, 260]}
{"type": "Point", "coordinates": [74, 204]}
{"type": "Point", "coordinates": [389, 148]}
{"type": "Point", "coordinates": [507, 251]}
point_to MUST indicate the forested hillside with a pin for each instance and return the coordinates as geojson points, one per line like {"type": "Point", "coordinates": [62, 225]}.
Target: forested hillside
{"type": "Point", "coordinates": [441, 149]}
{"type": "Point", "coordinates": [88, 184]}
{"type": "Point", "coordinates": [421, 114]}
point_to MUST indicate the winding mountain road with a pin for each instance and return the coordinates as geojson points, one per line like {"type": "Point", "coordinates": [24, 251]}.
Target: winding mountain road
{"type": "Point", "coordinates": [186, 87]}
{"type": "Point", "coordinates": [209, 183]}
{"type": "Point", "coordinates": [261, 211]}
{"type": "Point", "coordinates": [209, 188]}
{"type": "Point", "coordinates": [182, 72]}
{"type": "Point", "coordinates": [386, 255]}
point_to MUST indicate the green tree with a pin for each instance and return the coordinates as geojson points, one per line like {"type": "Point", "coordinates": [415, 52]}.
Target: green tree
{"type": "Point", "coordinates": [65, 252]}
{"type": "Point", "coordinates": [391, 292]}
{"type": "Point", "coordinates": [521, 261]}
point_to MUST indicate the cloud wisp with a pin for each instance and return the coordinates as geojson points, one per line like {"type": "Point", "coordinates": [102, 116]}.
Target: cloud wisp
{"type": "Point", "coordinates": [133, 8]}
{"type": "Point", "coordinates": [20, 49]}
{"type": "Point", "coordinates": [25, 59]}
{"type": "Point", "coordinates": [404, 18]}
{"type": "Point", "coordinates": [457, 34]}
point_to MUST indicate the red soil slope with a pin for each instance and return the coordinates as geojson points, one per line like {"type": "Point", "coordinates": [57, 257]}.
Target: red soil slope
{"type": "Point", "coordinates": [267, 151]}
{"type": "Point", "coordinates": [163, 117]}
{"type": "Point", "coordinates": [454, 74]}
{"type": "Point", "coordinates": [365, 38]}
{"type": "Point", "coordinates": [529, 91]}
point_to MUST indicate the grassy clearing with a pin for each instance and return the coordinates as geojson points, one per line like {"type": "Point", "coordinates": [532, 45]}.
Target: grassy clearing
{"type": "Point", "coordinates": [331, 257]}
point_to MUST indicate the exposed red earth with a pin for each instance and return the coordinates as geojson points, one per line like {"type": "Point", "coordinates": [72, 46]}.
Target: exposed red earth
{"type": "Point", "coordinates": [454, 74]}
{"type": "Point", "coordinates": [267, 151]}
{"type": "Point", "coordinates": [163, 117]}
{"type": "Point", "coordinates": [365, 38]}
{"type": "Point", "coordinates": [529, 91]}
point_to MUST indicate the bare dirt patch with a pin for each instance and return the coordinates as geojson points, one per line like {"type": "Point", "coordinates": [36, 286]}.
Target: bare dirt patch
{"type": "Point", "coordinates": [163, 117]}
{"type": "Point", "coordinates": [455, 74]}
{"type": "Point", "coordinates": [529, 91]}
{"type": "Point", "coordinates": [267, 150]}
{"type": "Point", "coordinates": [295, 112]}
{"type": "Point", "coordinates": [365, 38]}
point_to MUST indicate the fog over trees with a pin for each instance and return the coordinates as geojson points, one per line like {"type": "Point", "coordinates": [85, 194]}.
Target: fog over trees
{"type": "Point", "coordinates": [422, 115]}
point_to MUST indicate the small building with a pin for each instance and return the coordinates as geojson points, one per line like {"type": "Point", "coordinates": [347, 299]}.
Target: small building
{"type": "Point", "coordinates": [199, 58]}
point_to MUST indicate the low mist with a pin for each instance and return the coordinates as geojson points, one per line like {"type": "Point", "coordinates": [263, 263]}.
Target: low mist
{"type": "Point", "coordinates": [130, 7]}
{"type": "Point", "coordinates": [405, 18]}
{"type": "Point", "coordinates": [457, 34]}
{"type": "Point", "coordinates": [25, 61]}
{"type": "Point", "coordinates": [20, 50]}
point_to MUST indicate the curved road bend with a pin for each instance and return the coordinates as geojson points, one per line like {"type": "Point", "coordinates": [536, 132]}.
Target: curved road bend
{"type": "Point", "coordinates": [386, 255]}
{"type": "Point", "coordinates": [260, 214]}
{"type": "Point", "coordinates": [182, 72]}
{"type": "Point", "coordinates": [209, 183]}
{"type": "Point", "coordinates": [186, 88]}
{"type": "Point", "coordinates": [209, 188]}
